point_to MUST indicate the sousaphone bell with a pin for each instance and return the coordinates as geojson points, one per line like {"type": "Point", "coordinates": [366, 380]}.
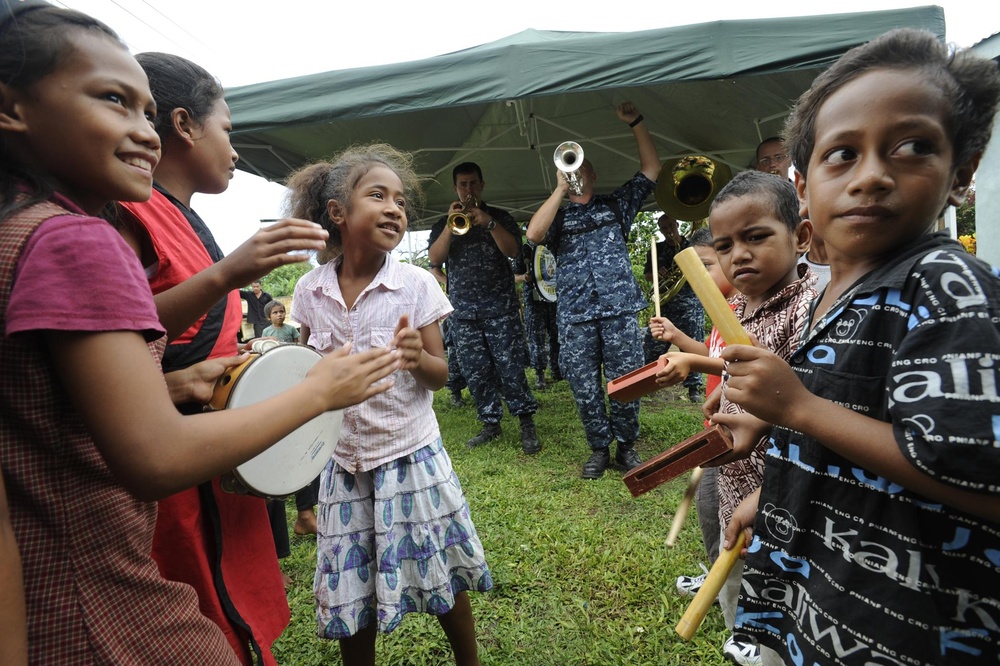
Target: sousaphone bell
{"type": "Point", "coordinates": [687, 185]}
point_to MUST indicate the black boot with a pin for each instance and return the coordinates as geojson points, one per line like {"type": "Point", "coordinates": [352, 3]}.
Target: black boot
{"type": "Point", "coordinates": [529, 437]}
{"type": "Point", "coordinates": [489, 432]}
{"type": "Point", "coordinates": [456, 399]}
{"type": "Point", "coordinates": [596, 464]}
{"type": "Point", "coordinates": [626, 457]}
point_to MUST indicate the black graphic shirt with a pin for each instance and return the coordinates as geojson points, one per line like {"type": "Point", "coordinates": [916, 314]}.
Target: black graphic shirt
{"type": "Point", "coordinates": [846, 566]}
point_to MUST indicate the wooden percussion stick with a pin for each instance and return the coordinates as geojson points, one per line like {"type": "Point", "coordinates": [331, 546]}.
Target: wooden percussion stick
{"type": "Point", "coordinates": [656, 278]}
{"type": "Point", "coordinates": [684, 506]}
{"type": "Point", "coordinates": [698, 608]}
{"type": "Point", "coordinates": [711, 298]}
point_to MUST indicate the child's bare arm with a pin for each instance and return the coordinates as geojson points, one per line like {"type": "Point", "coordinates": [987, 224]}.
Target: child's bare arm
{"type": "Point", "coordinates": [422, 353]}
{"type": "Point", "coordinates": [152, 449]}
{"type": "Point", "coordinates": [681, 364]}
{"type": "Point", "coordinates": [663, 329]}
{"type": "Point", "coordinates": [182, 305]}
{"type": "Point", "coordinates": [14, 644]}
{"type": "Point", "coordinates": [764, 385]}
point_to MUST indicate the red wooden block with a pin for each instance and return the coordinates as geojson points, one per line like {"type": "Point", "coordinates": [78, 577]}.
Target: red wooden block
{"type": "Point", "coordinates": [636, 383]}
{"type": "Point", "coordinates": [692, 452]}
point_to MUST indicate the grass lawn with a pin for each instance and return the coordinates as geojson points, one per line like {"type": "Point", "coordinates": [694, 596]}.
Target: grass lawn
{"type": "Point", "coordinates": [581, 571]}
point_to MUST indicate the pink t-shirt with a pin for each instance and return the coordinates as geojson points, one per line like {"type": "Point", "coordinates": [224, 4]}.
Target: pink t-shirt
{"type": "Point", "coordinates": [65, 282]}
{"type": "Point", "coordinates": [93, 593]}
{"type": "Point", "coordinates": [401, 420]}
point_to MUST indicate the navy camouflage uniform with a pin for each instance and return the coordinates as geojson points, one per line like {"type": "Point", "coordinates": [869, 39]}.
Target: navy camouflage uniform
{"type": "Point", "coordinates": [486, 324]}
{"type": "Point", "coordinates": [539, 319]}
{"type": "Point", "coordinates": [596, 305]}
{"type": "Point", "coordinates": [684, 310]}
{"type": "Point", "coordinates": [456, 381]}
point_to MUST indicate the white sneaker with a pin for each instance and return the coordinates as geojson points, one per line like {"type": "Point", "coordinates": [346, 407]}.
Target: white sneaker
{"type": "Point", "coordinates": [743, 650]}
{"type": "Point", "coordinates": [689, 585]}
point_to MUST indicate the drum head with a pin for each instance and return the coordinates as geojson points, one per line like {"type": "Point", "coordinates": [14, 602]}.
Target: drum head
{"type": "Point", "coordinates": [543, 266]}
{"type": "Point", "coordinates": [294, 461]}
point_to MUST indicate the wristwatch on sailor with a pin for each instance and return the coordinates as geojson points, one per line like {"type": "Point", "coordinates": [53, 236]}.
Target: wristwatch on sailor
{"type": "Point", "coordinates": [491, 225]}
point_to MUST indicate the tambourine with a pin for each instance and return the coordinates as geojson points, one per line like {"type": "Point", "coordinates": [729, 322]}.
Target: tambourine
{"type": "Point", "coordinates": [296, 459]}
{"type": "Point", "coordinates": [543, 267]}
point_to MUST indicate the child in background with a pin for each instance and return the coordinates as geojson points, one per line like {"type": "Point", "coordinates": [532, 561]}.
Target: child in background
{"type": "Point", "coordinates": [758, 237]}
{"type": "Point", "coordinates": [395, 534]}
{"type": "Point", "coordinates": [876, 539]}
{"type": "Point", "coordinates": [694, 355]}
{"type": "Point", "coordinates": [90, 438]}
{"type": "Point", "coordinates": [279, 330]}
{"type": "Point", "coordinates": [704, 358]}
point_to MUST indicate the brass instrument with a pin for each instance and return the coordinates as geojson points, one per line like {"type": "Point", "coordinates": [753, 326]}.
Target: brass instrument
{"type": "Point", "coordinates": [671, 283]}
{"type": "Point", "coordinates": [459, 222]}
{"type": "Point", "coordinates": [569, 158]}
{"type": "Point", "coordinates": [687, 185]}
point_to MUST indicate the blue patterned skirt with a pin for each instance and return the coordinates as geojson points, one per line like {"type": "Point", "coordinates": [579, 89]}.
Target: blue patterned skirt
{"type": "Point", "coordinates": [395, 540]}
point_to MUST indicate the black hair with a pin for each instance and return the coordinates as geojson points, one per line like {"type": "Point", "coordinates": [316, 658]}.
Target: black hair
{"type": "Point", "coordinates": [269, 308]}
{"type": "Point", "coordinates": [178, 83]}
{"type": "Point", "coordinates": [34, 38]}
{"type": "Point", "coordinates": [466, 168]}
{"type": "Point", "coordinates": [312, 186]}
{"type": "Point", "coordinates": [767, 187]}
{"type": "Point", "coordinates": [701, 238]}
{"type": "Point", "coordinates": [970, 83]}
{"type": "Point", "coordinates": [769, 139]}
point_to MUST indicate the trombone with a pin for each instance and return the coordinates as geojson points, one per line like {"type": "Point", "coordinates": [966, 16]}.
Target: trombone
{"type": "Point", "coordinates": [569, 158]}
{"type": "Point", "coordinates": [459, 222]}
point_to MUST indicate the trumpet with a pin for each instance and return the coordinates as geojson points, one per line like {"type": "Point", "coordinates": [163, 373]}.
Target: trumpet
{"type": "Point", "coordinates": [459, 222]}
{"type": "Point", "coordinates": [569, 158]}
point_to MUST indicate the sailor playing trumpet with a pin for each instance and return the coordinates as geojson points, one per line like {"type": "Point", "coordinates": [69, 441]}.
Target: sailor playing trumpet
{"type": "Point", "coordinates": [475, 241]}
{"type": "Point", "coordinates": [598, 299]}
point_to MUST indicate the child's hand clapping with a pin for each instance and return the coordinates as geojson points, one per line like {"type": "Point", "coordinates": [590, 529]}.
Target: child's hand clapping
{"type": "Point", "coordinates": [409, 343]}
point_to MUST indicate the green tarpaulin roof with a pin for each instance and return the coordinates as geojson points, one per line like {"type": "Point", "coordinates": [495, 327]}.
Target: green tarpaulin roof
{"type": "Point", "coordinates": [714, 89]}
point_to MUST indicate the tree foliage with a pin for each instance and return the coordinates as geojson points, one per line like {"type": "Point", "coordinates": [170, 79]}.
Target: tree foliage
{"type": "Point", "coordinates": [281, 281]}
{"type": "Point", "coordinates": [966, 215]}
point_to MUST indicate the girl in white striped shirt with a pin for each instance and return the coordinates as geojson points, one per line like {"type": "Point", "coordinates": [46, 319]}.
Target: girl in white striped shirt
{"type": "Point", "coordinates": [395, 534]}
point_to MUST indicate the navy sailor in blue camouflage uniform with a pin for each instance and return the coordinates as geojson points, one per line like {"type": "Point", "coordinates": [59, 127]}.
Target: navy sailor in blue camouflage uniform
{"type": "Point", "coordinates": [597, 296]}
{"type": "Point", "coordinates": [486, 323]}
{"type": "Point", "coordinates": [540, 326]}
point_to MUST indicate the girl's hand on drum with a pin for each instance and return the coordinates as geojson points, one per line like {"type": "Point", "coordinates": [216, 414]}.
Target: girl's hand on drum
{"type": "Point", "coordinates": [196, 383]}
{"type": "Point", "coordinates": [345, 379]}
{"type": "Point", "coordinates": [409, 343]}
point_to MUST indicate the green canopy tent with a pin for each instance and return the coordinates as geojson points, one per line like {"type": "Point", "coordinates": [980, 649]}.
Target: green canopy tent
{"type": "Point", "coordinates": [714, 89]}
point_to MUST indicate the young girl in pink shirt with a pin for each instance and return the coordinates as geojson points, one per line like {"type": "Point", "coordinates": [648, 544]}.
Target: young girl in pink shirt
{"type": "Point", "coordinates": [395, 534]}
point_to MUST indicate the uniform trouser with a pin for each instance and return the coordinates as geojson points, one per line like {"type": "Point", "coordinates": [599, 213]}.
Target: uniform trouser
{"type": "Point", "coordinates": [616, 344]}
{"type": "Point", "coordinates": [686, 313]}
{"type": "Point", "coordinates": [543, 334]}
{"type": "Point", "coordinates": [492, 355]}
{"type": "Point", "coordinates": [456, 381]}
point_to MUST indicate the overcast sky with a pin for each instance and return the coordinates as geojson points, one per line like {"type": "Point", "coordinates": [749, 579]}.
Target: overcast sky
{"type": "Point", "coordinates": [244, 42]}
